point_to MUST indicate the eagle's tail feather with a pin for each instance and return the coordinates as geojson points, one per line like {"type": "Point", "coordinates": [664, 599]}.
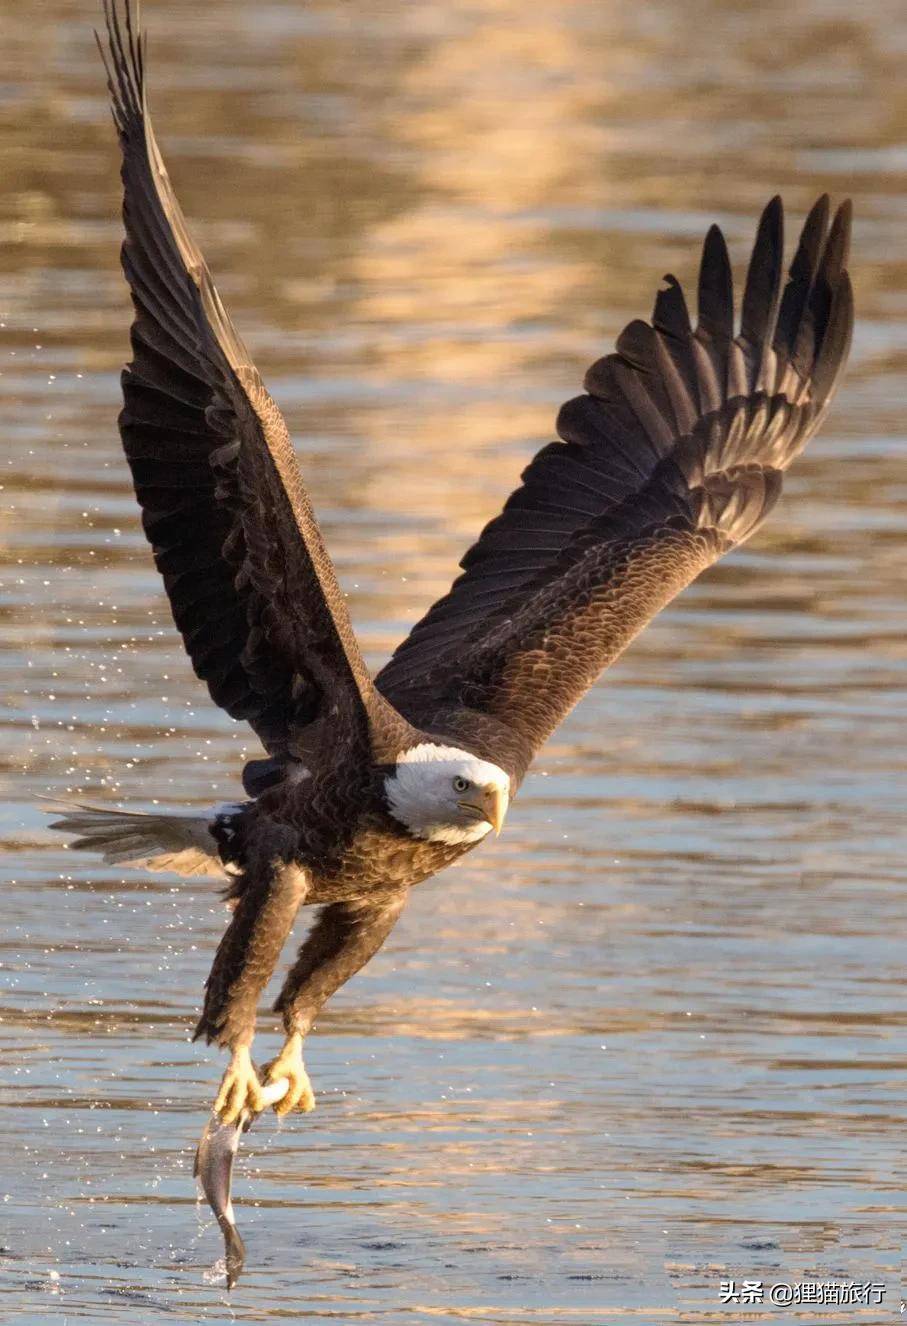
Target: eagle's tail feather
{"type": "Point", "coordinates": [183, 843]}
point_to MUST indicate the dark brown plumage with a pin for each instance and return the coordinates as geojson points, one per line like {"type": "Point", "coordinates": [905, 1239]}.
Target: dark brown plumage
{"type": "Point", "coordinates": [673, 456]}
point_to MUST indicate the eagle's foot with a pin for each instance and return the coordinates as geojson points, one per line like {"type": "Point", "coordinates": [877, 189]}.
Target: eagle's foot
{"type": "Point", "coordinates": [240, 1089]}
{"type": "Point", "coordinates": [289, 1065]}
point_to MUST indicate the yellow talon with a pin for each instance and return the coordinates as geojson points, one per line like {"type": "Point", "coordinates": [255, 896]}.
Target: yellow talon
{"type": "Point", "coordinates": [240, 1089]}
{"type": "Point", "coordinates": [289, 1065]}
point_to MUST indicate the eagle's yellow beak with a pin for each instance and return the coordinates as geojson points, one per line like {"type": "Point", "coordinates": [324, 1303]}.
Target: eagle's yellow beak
{"type": "Point", "coordinates": [491, 804]}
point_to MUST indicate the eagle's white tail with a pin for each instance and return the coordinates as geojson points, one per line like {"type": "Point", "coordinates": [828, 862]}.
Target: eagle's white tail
{"type": "Point", "coordinates": [183, 843]}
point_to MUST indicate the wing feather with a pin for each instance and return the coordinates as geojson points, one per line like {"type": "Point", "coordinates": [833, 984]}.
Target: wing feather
{"type": "Point", "coordinates": [252, 589]}
{"type": "Point", "coordinates": [674, 455]}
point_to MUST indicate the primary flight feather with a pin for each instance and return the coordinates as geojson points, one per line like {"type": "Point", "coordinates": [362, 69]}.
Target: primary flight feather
{"type": "Point", "coordinates": [673, 456]}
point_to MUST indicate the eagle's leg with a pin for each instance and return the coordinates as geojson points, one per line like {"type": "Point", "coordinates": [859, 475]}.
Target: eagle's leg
{"type": "Point", "coordinates": [246, 957]}
{"type": "Point", "coordinates": [240, 1088]}
{"type": "Point", "coordinates": [343, 938]}
{"type": "Point", "coordinates": [289, 1064]}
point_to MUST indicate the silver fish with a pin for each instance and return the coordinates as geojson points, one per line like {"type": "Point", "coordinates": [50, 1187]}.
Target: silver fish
{"type": "Point", "coordinates": [213, 1168]}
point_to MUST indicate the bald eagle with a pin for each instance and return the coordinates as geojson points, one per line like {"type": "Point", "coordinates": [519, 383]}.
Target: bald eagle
{"type": "Point", "coordinates": [673, 456]}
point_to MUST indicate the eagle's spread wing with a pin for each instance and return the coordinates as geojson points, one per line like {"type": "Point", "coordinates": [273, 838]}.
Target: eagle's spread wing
{"type": "Point", "coordinates": [251, 586]}
{"type": "Point", "coordinates": [673, 457]}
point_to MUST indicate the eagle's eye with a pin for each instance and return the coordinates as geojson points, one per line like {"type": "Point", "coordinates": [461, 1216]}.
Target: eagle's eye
{"type": "Point", "coordinates": [460, 784]}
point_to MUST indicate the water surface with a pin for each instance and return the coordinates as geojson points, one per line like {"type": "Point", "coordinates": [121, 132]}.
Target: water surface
{"type": "Point", "coordinates": [654, 1037]}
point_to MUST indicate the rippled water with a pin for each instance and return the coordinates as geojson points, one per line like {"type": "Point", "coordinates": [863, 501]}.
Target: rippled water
{"type": "Point", "coordinates": [654, 1037]}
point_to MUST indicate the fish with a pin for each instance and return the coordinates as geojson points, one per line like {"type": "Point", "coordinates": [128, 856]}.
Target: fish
{"type": "Point", "coordinates": [214, 1159]}
{"type": "Point", "coordinates": [213, 1168]}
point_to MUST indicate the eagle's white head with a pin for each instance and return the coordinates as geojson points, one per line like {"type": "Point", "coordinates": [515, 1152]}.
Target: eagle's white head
{"type": "Point", "coordinates": [446, 795]}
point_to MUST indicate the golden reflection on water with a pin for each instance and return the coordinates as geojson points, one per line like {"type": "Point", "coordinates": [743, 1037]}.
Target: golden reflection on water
{"type": "Point", "coordinates": [652, 1038]}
